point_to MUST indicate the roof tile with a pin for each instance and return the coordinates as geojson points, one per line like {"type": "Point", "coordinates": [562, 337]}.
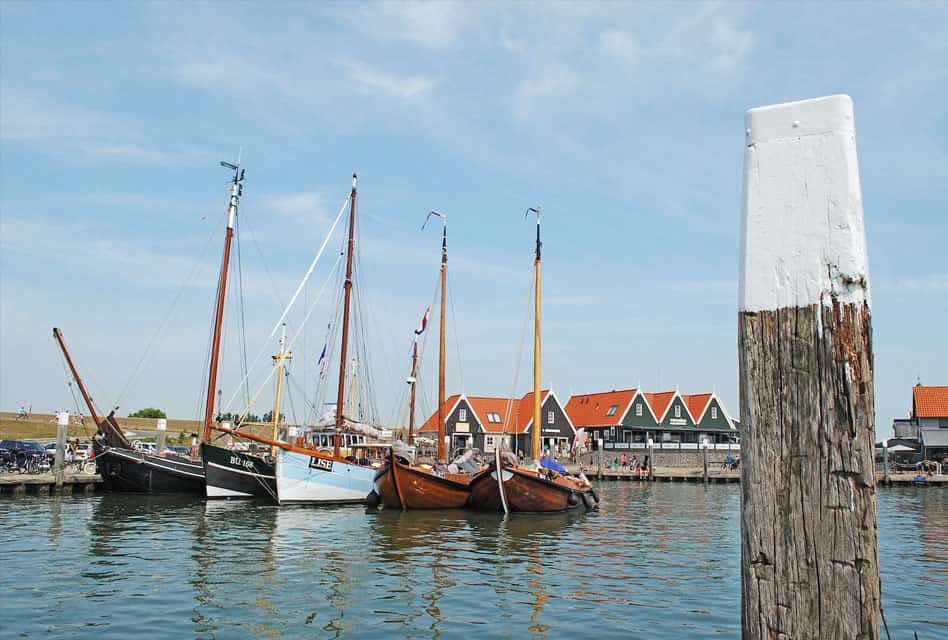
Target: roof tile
{"type": "Point", "coordinates": [930, 402]}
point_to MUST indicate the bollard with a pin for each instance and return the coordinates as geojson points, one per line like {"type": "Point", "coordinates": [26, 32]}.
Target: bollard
{"type": "Point", "coordinates": [599, 470]}
{"type": "Point", "coordinates": [62, 425]}
{"type": "Point", "coordinates": [885, 463]}
{"type": "Point", "coordinates": [704, 448]}
{"type": "Point", "coordinates": [809, 556]}
{"type": "Point", "coordinates": [651, 459]}
{"type": "Point", "coordinates": [162, 435]}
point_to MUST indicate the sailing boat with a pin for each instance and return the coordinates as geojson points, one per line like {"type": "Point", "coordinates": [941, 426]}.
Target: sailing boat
{"type": "Point", "coordinates": [121, 467]}
{"type": "Point", "coordinates": [506, 485]}
{"type": "Point", "coordinates": [401, 484]}
{"type": "Point", "coordinates": [307, 475]}
{"type": "Point", "coordinates": [235, 474]}
{"type": "Point", "coordinates": [126, 469]}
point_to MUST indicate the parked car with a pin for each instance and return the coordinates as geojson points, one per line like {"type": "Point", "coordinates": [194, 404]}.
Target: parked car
{"type": "Point", "coordinates": [176, 450]}
{"type": "Point", "coordinates": [27, 446]}
{"type": "Point", "coordinates": [146, 447]}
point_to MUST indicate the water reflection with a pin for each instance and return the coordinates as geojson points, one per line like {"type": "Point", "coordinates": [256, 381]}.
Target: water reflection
{"type": "Point", "coordinates": [658, 561]}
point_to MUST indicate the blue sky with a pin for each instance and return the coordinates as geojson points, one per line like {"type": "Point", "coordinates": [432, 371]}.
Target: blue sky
{"type": "Point", "coordinates": [624, 121]}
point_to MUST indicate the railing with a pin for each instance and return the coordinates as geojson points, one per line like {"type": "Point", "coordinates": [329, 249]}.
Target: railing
{"type": "Point", "coordinates": [675, 446]}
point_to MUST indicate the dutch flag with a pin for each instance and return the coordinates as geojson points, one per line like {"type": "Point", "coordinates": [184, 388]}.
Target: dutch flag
{"type": "Point", "coordinates": [424, 323]}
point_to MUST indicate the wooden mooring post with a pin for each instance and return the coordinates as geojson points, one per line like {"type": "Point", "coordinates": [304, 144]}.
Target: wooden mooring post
{"type": "Point", "coordinates": [809, 558]}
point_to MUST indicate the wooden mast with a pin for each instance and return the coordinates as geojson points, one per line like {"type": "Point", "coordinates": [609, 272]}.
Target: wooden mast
{"type": "Point", "coordinates": [236, 189]}
{"type": "Point", "coordinates": [75, 374]}
{"type": "Point", "coordinates": [536, 345]}
{"type": "Point", "coordinates": [341, 395]}
{"type": "Point", "coordinates": [414, 383]}
{"type": "Point", "coordinates": [442, 427]}
{"type": "Point", "coordinates": [278, 361]}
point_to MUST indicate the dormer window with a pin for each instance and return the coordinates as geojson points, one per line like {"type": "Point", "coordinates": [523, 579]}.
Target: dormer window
{"type": "Point", "coordinates": [677, 411]}
{"type": "Point", "coordinates": [612, 410]}
{"type": "Point", "coordinates": [638, 410]}
{"type": "Point", "coordinates": [493, 417]}
{"type": "Point", "coordinates": [462, 415]}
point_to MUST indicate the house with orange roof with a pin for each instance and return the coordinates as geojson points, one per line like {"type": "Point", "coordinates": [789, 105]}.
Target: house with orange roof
{"type": "Point", "coordinates": [926, 428]}
{"type": "Point", "coordinates": [485, 423]}
{"type": "Point", "coordinates": [630, 418]}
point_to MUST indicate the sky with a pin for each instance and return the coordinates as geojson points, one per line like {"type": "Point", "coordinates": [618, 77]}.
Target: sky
{"type": "Point", "coordinates": [623, 121]}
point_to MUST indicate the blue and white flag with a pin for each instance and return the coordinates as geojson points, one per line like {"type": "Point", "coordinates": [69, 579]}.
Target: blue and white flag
{"type": "Point", "coordinates": [322, 362]}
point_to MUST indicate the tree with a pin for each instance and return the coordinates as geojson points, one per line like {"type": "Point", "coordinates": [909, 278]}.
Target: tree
{"type": "Point", "coordinates": [148, 412]}
{"type": "Point", "coordinates": [268, 416]}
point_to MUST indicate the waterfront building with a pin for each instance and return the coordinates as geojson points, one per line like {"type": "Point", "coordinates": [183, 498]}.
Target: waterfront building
{"type": "Point", "coordinates": [485, 423]}
{"type": "Point", "coordinates": [629, 418]}
{"type": "Point", "coordinates": [926, 428]}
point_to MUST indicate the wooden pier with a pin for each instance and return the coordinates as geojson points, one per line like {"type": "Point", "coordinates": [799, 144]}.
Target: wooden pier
{"type": "Point", "coordinates": [46, 483]}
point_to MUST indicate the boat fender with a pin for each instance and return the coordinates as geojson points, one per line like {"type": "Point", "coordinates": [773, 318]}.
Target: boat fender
{"type": "Point", "coordinates": [373, 499]}
{"type": "Point", "coordinates": [572, 500]}
{"type": "Point", "coordinates": [594, 494]}
{"type": "Point", "coordinates": [586, 501]}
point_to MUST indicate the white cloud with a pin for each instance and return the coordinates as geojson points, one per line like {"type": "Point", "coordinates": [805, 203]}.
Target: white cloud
{"type": "Point", "coordinates": [429, 24]}
{"type": "Point", "coordinates": [622, 46]}
{"type": "Point", "coordinates": [369, 79]}
{"type": "Point", "coordinates": [142, 154]}
{"type": "Point", "coordinates": [307, 207]}
{"type": "Point", "coordinates": [551, 82]}
{"type": "Point", "coordinates": [28, 117]}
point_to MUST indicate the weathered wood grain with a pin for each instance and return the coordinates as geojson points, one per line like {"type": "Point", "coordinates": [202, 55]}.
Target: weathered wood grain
{"type": "Point", "coordinates": [809, 556]}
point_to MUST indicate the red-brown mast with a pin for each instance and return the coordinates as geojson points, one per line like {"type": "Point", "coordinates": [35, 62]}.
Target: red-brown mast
{"type": "Point", "coordinates": [414, 383]}
{"type": "Point", "coordinates": [75, 374]}
{"type": "Point", "coordinates": [340, 397]}
{"type": "Point", "coordinates": [236, 189]}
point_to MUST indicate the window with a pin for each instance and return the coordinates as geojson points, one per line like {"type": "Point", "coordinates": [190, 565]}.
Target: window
{"type": "Point", "coordinates": [550, 417]}
{"type": "Point", "coordinates": [714, 413]}
{"type": "Point", "coordinates": [462, 415]}
{"type": "Point", "coordinates": [490, 441]}
{"type": "Point", "coordinates": [638, 409]}
{"type": "Point", "coordinates": [677, 411]}
{"type": "Point", "coordinates": [612, 410]}
{"type": "Point", "coordinates": [493, 417]}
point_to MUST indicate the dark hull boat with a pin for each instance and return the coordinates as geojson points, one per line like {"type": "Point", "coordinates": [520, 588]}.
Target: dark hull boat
{"type": "Point", "coordinates": [232, 474]}
{"type": "Point", "coordinates": [129, 470]}
{"type": "Point", "coordinates": [528, 491]}
{"type": "Point", "coordinates": [404, 486]}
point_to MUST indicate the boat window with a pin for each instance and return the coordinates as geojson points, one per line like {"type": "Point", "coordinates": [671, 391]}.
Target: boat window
{"type": "Point", "coordinates": [612, 410]}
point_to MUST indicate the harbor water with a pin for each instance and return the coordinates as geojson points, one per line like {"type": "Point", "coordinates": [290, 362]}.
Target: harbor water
{"type": "Point", "coordinates": [657, 561]}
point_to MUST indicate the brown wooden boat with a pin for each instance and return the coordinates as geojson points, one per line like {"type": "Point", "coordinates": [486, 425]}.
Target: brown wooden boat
{"type": "Point", "coordinates": [506, 486]}
{"type": "Point", "coordinates": [522, 490]}
{"type": "Point", "coordinates": [401, 485]}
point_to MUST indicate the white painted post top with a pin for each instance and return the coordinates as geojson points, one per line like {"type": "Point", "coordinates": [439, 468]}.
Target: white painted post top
{"type": "Point", "coordinates": [802, 233]}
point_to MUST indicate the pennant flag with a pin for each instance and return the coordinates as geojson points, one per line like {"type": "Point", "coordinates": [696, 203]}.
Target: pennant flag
{"type": "Point", "coordinates": [433, 213]}
{"type": "Point", "coordinates": [424, 323]}
{"type": "Point", "coordinates": [322, 362]}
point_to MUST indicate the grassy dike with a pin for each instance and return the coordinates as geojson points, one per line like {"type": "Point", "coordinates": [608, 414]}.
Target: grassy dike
{"type": "Point", "coordinates": [42, 426]}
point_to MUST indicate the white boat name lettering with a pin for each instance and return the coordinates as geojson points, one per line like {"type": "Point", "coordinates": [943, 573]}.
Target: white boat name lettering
{"type": "Point", "coordinates": [238, 462]}
{"type": "Point", "coordinates": [320, 463]}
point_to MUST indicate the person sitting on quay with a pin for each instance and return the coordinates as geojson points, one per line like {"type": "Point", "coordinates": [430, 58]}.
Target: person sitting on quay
{"type": "Point", "coordinates": [625, 461]}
